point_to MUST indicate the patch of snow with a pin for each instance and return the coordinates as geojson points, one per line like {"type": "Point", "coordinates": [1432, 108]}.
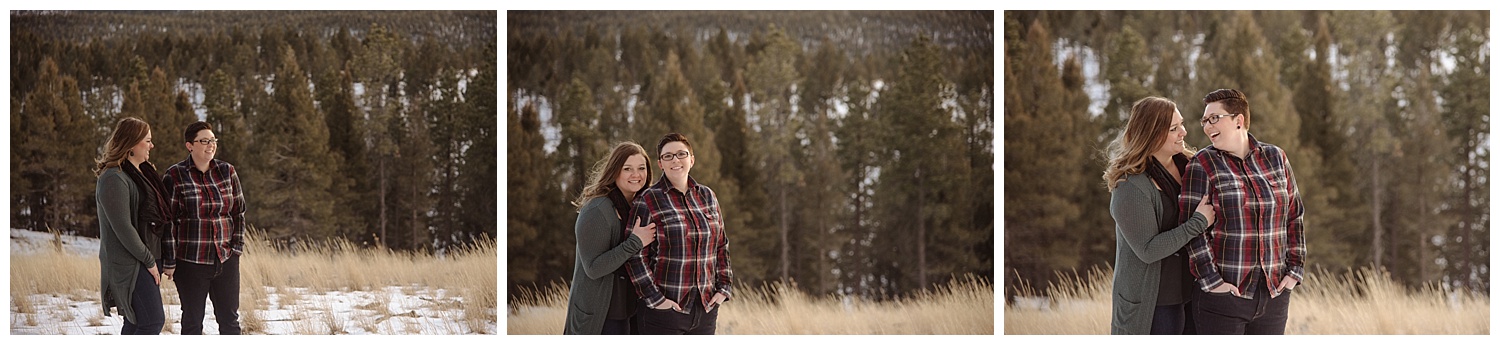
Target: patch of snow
{"type": "Point", "coordinates": [22, 240]}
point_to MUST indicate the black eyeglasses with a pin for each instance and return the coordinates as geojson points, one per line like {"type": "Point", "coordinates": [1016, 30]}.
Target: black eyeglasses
{"type": "Point", "coordinates": [679, 155]}
{"type": "Point", "coordinates": [1213, 119]}
{"type": "Point", "coordinates": [211, 141]}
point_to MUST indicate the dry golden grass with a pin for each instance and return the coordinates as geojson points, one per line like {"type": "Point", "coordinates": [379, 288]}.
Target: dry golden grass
{"type": "Point", "coordinates": [51, 271]}
{"type": "Point", "coordinates": [467, 273]}
{"type": "Point", "coordinates": [98, 320]}
{"type": "Point", "coordinates": [1365, 302]}
{"type": "Point", "coordinates": [370, 323]}
{"type": "Point", "coordinates": [965, 306]}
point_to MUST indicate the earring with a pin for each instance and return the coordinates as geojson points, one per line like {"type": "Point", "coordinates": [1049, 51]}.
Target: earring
{"type": "Point", "coordinates": [131, 153]}
{"type": "Point", "coordinates": [1236, 127]}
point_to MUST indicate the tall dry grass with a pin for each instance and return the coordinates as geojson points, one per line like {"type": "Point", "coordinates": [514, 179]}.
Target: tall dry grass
{"type": "Point", "coordinates": [467, 274]}
{"type": "Point", "coordinates": [1364, 302]}
{"type": "Point", "coordinates": [51, 271]}
{"type": "Point", "coordinates": [965, 306]}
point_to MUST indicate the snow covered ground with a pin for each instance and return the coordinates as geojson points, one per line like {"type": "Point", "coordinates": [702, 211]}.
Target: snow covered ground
{"type": "Point", "coordinates": [285, 310]}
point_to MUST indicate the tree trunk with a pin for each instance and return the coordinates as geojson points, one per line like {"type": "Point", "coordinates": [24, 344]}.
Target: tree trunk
{"type": "Point", "coordinates": [1424, 255]}
{"type": "Point", "coordinates": [921, 232]}
{"type": "Point", "coordinates": [786, 258]}
{"type": "Point", "coordinates": [1375, 205]}
{"type": "Point", "coordinates": [1467, 221]}
{"type": "Point", "coordinates": [383, 177]}
{"type": "Point", "coordinates": [416, 226]}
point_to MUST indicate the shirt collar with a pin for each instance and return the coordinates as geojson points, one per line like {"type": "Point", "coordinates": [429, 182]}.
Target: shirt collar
{"type": "Point", "coordinates": [666, 184]}
{"type": "Point", "coordinates": [193, 167]}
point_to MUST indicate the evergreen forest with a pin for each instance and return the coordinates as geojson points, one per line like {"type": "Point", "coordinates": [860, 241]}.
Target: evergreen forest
{"type": "Point", "coordinates": [1384, 116]}
{"type": "Point", "coordinates": [376, 127]}
{"type": "Point", "coordinates": [851, 151]}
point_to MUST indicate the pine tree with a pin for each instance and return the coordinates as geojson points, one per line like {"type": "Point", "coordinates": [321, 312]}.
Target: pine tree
{"type": "Point", "coordinates": [770, 76]}
{"type": "Point", "coordinates": [1038, 213]}
{"type": "Point", "coordinates": [1466, 119]}
{"type": "Point", "coordinates": [581, 144]}
{"type": "Point", "coordinates": [535, 224]}
{"type": "Point", "coordinates": [53, 154]}
{"type": "Point", "coordinates": [479, 171]}
{"type": "Point", "coordinates": [294, 201]}
{"type": "Point", "coordinates": [921, 175]}
{"type": "Point", "coordinates": [814, 151]}
{"type": "Point", "coordinates": [377, 69]}
{"type": "Point", "coordinates": [736, 141]}
{"type": "Point", "coordinates": [1128, 73]}
{"type": "Point", "coordinates": [346, 144]}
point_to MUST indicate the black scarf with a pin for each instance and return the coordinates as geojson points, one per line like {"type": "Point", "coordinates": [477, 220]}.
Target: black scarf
{"type": "Point", "coordinates": [1163, 178]}
{"type": "Point", "coordinates": [622, 207]}
{"type": "Point", "coordinates": [153, 212]}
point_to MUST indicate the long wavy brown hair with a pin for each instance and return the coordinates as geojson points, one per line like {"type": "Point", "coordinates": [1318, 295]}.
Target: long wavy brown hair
{"type": "Point", "coordinates": [1150, 119]}
{"type": "Point", "coordinates": [601, 178]}
{"type": "Point", "coordinates": [128, 132]}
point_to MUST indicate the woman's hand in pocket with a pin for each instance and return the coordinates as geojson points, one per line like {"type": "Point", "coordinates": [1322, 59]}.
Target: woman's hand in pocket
{"type": "Point", "coordinates": [668, 304]}
{"type": "Point", "coordinates": [1226, 288]}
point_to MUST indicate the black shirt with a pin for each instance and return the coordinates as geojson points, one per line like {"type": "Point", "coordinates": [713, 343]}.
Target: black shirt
{"type": "Point", "coordinates": [622, 304]}
{"type": "Point", "coordinates": [1174, 270]}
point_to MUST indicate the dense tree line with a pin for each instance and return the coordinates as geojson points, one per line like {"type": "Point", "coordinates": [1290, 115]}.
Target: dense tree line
{"type": "Point", "coordinates": [1384, 116]}
{"type": "Point", "coordinates": [378, 127]}
{"type": "Point", "coordinates": [864, 173]}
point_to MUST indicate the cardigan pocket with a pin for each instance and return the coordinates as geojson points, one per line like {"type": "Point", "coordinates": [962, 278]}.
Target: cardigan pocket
{"type": "Point", "coordinates": [583, 317]}
{"type": "Point", "coordinates": [1124, 311]}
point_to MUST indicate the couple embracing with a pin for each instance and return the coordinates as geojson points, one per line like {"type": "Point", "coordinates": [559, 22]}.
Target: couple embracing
{"type": "Point", "coordinates": [648, 260]}
{"type": "Point", "coordinates": [1206, 242]}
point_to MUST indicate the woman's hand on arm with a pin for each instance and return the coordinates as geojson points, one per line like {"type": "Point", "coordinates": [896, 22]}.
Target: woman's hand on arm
{"type": "Point", "coordinates": [1207, 209]}
{"type": "Point", "coordinates": [647, 233]}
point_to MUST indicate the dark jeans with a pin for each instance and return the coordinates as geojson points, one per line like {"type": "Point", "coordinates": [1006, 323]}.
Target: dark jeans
{"type": "Point", "coordinates": [1223, 313]}
{"type": "Point", "coordinates": [219, 282]}
{"type": "Point", "coordinates": [1188, 325]}
{"type": "Point", "coordinates": [692, 319]}
{"type": "Point", "coordinates": [146, 303]}
{"type": "Point", "coordinates": [1168, 319]}
{"type": "Point", "coordinates": [616, 327]}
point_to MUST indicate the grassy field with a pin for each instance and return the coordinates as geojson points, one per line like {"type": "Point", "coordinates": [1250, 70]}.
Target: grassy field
{"type": "Point", "coordinates": [966, 306]}
{"type": "Point", "coordinates": [1364, 302]}
{"type": "Point", "coordinates": [333, 288]}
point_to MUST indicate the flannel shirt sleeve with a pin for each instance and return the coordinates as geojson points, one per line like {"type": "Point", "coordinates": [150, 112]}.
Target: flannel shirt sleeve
{"type": "Point", "coordinates": [1195, 187]}
{"type": "Point", "coordinates": [1297, 250]}
{"type": "Point", "coordinates": [723, 275]}
{"type": "Point", "coordinates": [237, 213]}
{"type": "Point", "coordinates": [645, 283]}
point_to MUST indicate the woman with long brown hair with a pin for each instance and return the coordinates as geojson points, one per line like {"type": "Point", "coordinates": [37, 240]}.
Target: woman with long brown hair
{"type": "Point", "coordinates": [1144, 176]}
{"type": "Point", "coordinates": [131, 227]}
{"type": "Point", "coordinates": [601, 299]}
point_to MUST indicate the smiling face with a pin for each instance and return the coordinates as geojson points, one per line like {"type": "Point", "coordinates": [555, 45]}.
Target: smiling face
{"type": "Point", "coordinates": [142, 150]}
{"type": "Point", "coordinates": [1175, 135]}
{"type": "Point", "coordinates": [1227, 128]}
{"type": "Point", "coordinates": [203, 152]}
{"type": "Point", "coordinates": [633, 175]}
{"type": "Point", "coordinates": [676, 169]}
